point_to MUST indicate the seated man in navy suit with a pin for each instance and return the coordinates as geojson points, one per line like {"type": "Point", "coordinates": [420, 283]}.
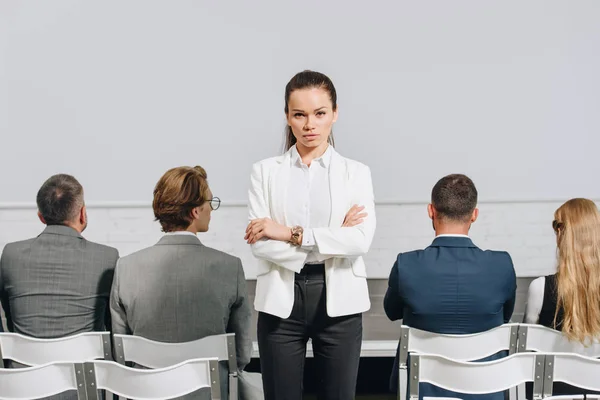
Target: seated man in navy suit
{"type": "Point", "coordinates": [452, 286]}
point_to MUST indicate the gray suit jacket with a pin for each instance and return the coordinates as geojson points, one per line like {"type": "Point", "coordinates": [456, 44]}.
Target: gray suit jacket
{"type": "Point", "coordinates": [57, 284]}
{"type": "Point", "coordinates": [180, 290]}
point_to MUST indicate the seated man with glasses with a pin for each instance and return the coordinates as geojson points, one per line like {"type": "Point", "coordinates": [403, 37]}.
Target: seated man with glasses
{"type": "Point", "coordinates": [180, 290]}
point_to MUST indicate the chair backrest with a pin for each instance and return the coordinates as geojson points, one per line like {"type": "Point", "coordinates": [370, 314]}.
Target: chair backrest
{"type": "Point", "coordinates": [76, 349]}
{"type": "Point", "coordinates": [573, 369]}
{"type": "Point", "coordinates": [539, 338]}
{"type": "Point", "coordinates": [568, 397]}
{"type": "Point", "coordinates": [153, 384]}
{"type": "Point", "coordinates": [153, 354]}
{"type": "Point", "coordinates": [574, 397]}
{"type": "Point", "coordinates": [477, 377]}
{"type": "Point", "coordinates": [41, 381]}
{"type": "Point", "coordinates": [466, 347]}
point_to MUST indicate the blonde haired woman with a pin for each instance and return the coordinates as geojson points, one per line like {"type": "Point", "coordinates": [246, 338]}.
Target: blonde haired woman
{"type": "Point", "coordinates": [569, 300]}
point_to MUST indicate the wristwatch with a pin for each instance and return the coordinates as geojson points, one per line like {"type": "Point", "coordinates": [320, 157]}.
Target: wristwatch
{"type": "Point", "coordinates": [296, 234]}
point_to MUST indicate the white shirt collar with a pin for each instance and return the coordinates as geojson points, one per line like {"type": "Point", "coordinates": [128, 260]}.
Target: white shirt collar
{"type": "Point", "coordinates": [452, 235]}
{"type": "Point", "coordinates": [324, 160]}
{"type": "Point", "coordinates": [180, 233]}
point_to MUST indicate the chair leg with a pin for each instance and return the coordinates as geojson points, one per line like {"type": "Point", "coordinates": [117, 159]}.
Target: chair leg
{"type": "Point", "coordinates": [233, 387]}
{"type": "Point", "coordinates": [512, 394]}
{"type": "Point", "coordinates": [521, 392]}
{"type": "Point", "coordinates": [402, 386]}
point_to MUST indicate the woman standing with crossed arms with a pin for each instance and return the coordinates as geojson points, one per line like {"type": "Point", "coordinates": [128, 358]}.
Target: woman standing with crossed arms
{"type": "Point", "coordinates": [312, 218]}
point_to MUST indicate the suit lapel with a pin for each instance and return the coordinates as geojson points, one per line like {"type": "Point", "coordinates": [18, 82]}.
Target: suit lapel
{"type": "Point", "coordinates": [338, 189]}
{"type": "Point", "coordinates": [278, 188]}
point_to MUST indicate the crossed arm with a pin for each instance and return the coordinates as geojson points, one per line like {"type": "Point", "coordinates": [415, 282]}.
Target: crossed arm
{"type": "Point", "coordinates": [270, 239]}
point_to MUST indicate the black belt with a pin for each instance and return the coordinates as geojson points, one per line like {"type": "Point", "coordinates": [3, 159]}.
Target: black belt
{"type": "Point", "coordinates": [314, 271]}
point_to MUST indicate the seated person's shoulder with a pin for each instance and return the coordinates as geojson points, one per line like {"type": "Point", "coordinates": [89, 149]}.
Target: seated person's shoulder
{"type": "Point", "coordinates": [110, 253]}
{"type": "Point", "coordinates": [411, 255]}
{"type": "Point", "coordinates": [500, 257]}
{"type": "Point", "coordinates": [221, 257]}
{"type": "Point", "coordinates": [500, 262]}
{"type": "Point", "coordinates": [15, 247]}
{"type": "Point", "coordinates": [16, 251]}
{"type": "Point", "coordinates": [410, 259]}
{"type": "Point", "coordinates": [537, 286]}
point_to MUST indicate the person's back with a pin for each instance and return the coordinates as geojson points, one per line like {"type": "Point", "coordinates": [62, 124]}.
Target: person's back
{"type": "Point", "coordinates": [569, 300]}
{"type": "Point", "coordinates": [180, 290]}
{"type": "Point", "coordinates": [57, 284]}
{"type": "Point", "coordinates": [452, 286]}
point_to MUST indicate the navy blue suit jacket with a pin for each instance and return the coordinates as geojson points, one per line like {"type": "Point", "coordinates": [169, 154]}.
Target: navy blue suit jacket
{"type": "Point", "coordinates": [451, 287]}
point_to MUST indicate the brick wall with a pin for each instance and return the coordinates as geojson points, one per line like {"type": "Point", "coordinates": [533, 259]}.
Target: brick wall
{"type": "Point", "coordinates": [522, 229]}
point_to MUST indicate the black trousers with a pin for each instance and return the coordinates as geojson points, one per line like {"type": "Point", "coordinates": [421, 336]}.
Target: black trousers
{"type": "Point", "coordinates": [336, 344]}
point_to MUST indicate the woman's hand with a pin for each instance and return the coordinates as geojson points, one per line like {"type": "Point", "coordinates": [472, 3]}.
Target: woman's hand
{"type": "Point", "coordinates": [354, 216]}
{"type": "Point", "coordinates": [266, 228]}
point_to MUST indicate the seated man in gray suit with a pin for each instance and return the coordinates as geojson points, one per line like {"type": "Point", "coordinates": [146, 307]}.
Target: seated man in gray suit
{"type": "Point", "coordinates": [180, 290]}
{"type": "Point", "coordinates": [58, 283]}
{"type": "Point", "coordinates": [452, 286]}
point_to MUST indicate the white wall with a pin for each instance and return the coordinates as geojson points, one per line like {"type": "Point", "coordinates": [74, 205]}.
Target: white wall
{"type": "Point", "coordinates": [523, 229]}
{"type": "Point", "coordinates": [116, 92]}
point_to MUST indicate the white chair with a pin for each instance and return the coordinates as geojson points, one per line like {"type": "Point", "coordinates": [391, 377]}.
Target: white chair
{"type": "Point", "coordinates": [153, 354]}
{"type": "Point", "coordinates": [468, 347]}
{"type": "Point", "coordinates": [153, 384]}
{"type": "Point", "coordinates": [41, 381]}
{"type": "Point", "coordinates": [573, 369]}
{"type": "Point", "coordinates": [539, 338]}
{"type": "Point", "coordinates": [440, 398]}
{"type": "Point", "coordinates": [477, 377]}
{"type": "Point", "coordinates": [571, 397]}
{"type": "Point", "coordinates": [75, 349]}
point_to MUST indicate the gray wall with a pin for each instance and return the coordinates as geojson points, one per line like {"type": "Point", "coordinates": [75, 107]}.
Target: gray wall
{"type": "Point", "coordinates": [117, 92]}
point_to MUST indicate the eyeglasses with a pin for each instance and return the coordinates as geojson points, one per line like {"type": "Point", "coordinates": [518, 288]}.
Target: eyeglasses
{"type": "Point", "coordinates": [557, 225]}
{"type": "Point", "coordinates": [215, 203]}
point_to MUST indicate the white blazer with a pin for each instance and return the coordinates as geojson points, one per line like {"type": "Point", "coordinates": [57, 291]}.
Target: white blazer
{"type": "Point", "coordinates": [345, 272]}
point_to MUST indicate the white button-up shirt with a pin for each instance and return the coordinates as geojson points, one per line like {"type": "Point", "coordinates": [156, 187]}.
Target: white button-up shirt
{"type": "Point", "coordinates": [309, 199]}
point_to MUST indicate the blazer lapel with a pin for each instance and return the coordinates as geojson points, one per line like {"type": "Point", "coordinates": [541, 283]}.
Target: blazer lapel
{"type": "Point", "coordinates": [278, 188]}
{"type": "Point", "coordinates": [338, 189]}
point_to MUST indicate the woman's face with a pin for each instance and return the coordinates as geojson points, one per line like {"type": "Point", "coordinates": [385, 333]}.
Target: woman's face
{"type": "Point", "coordinates": [311, 116]}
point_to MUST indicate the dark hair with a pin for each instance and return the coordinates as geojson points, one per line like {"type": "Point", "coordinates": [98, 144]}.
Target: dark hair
{"type": "Point", "coordinates": [454, 197]}
{"type": "Point", "coordinates": [307, 80]}
{"type": "Point", "coordinates": [60, 199]}
{"type": "Point", "coordinates": [176, 194]}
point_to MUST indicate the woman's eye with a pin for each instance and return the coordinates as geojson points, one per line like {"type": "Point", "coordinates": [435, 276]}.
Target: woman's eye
{"type": "Point", "coordinates": [321, 113]}
{"type": "Point", "coordinates": [298, 115]}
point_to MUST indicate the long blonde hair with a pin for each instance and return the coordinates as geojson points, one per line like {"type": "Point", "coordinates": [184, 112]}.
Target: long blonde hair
{"type": "Point", "coordinates": [577, 226]}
